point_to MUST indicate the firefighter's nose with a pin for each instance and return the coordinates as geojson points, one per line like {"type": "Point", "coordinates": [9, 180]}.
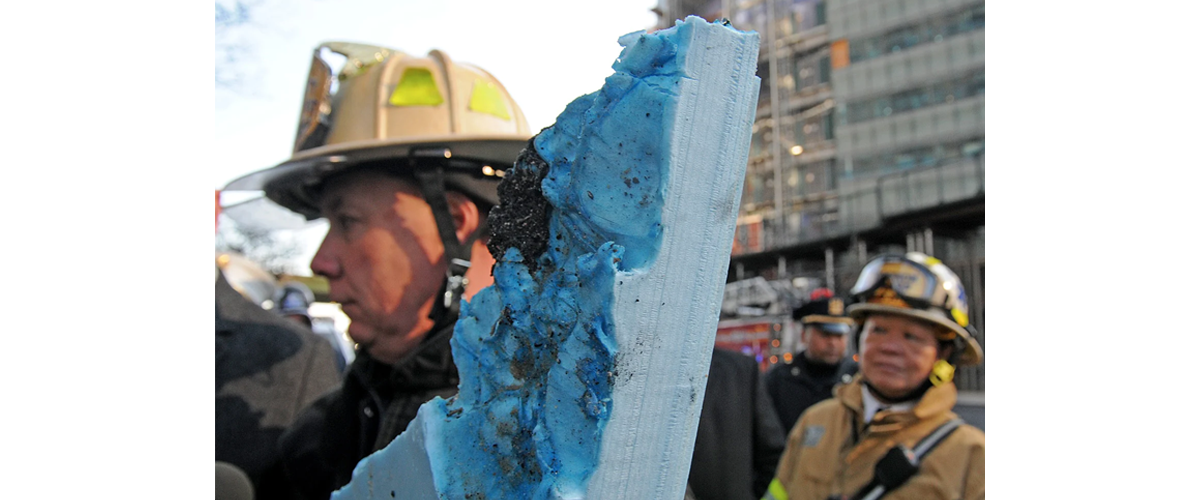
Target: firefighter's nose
{"type": "Point", "coordinates": [325, 264]}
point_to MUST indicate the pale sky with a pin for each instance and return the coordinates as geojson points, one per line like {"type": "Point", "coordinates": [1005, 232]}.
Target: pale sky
{"type": "Point", "coordinates": [546, 52]}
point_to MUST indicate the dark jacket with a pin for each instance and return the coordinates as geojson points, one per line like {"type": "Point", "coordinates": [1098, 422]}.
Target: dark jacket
{"type": "Point", "coordinates": [795, 386]}
{"type": "Point", "coordinates": [267, 369]}
{"type": "Point", "coordinates": [739, 440]}
{"type": "Point", "coordinates": [375, 404]}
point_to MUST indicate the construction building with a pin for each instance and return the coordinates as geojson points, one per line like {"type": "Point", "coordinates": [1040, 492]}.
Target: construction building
{"type": "Point", "coordinates": [869, 138]}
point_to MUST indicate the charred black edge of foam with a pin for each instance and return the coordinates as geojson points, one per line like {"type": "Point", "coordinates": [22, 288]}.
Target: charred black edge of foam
{"type": "Point", "coordinates": [522, 219]}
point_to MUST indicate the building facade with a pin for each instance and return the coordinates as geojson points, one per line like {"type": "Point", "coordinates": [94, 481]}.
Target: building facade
{"type": "Point", "coordinates": [868, 138]}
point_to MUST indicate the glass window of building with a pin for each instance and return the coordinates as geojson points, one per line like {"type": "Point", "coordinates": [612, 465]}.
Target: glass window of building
{"type": "Point", "coordinates": [757, 193]}
{"type": "Point", "coordinates": [917, 157]}
{"type": "Point", "coordinates": [818, 177]}
{"type": "Point", "coordinates": [911, 99]}
{"type": "Point", "coordinates": [920, 32]}
{"type": "Point", "coordinates": [764, 87]}
{"type": "Point", "coordinates": [972, 148]}
{"type": "Point", "coordinates": [801, 15]}
{"type": "Point", "coordinates": [810, 68]}
{"type": "Point", "coordinates": [799, 72]}
{"type": "Point", "coordinates": [815, 129]}
{"type": "Point", "coordinates": [752, 17]}
{"type": "Point", "coordinates": [758, 142]}
{"type": "Point", "coordinates": [793, 179]}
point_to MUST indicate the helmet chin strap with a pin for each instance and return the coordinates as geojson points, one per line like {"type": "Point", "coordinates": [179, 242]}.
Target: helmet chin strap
{"type": "Point", "coordinates": [430, 174]}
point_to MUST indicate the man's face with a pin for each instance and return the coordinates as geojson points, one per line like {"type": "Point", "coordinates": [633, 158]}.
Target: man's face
{"type": "Point", "coordinates": [822, 346]}
{"type": "Point", "coordinates": [898, 353]}
{"type": "Point", "coordinates": [383, 259]}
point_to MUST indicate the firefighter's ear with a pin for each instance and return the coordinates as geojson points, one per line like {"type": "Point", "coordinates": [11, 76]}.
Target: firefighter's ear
{"type": "Point", "coordinates": [465, 214]}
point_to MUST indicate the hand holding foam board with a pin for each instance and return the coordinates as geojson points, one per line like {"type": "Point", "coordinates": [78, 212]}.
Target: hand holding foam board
{"type": "Point", "coordinates": [583, 367]}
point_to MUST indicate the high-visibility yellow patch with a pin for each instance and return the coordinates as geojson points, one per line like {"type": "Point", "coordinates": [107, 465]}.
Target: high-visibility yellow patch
{"type": "Point", "coordinates": [416, 88]}
{"type": "Point", "coordinates": [775, 491]}
{"type": "Point", "coordinates": [932, 261]}
{"type": "Point", "coordinates": [959, 316]}
{"type": "Point", "coordinates": [486, 98]}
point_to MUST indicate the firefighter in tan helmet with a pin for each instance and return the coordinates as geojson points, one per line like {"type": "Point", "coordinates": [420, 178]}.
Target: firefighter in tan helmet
{"type": "Point", "coordinates": [890, 432]}
{"type": "Point", "coordinates": [403, 159]}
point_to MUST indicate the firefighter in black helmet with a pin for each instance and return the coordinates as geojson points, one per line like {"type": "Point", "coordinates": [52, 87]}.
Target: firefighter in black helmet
{"type": "Point", "coordinates": [813, 372]}
{"type": "Point", "coordinates": [403, 160]}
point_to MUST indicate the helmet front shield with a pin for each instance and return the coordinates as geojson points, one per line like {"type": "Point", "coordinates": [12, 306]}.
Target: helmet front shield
{"type": "Point", "coordinates": [899, 282]}
{"type": "Point", "coordinates": [317, 108]}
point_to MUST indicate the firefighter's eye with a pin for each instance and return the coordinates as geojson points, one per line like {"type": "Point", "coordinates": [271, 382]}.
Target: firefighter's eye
{"type": "Point", "coordinates": [345, 221]}
{"type": "Point", "coordinates": [916, 338]}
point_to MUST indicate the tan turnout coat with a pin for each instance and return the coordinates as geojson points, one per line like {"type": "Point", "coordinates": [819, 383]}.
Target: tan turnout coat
{"type": "Point", "coordinates": [831, 452]}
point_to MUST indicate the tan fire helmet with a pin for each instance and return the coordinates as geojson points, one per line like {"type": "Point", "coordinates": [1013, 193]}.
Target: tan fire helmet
{"type": "Point", "coordinates": [389, 105]}
{"type": "Point", "coordinates": [918, 286]}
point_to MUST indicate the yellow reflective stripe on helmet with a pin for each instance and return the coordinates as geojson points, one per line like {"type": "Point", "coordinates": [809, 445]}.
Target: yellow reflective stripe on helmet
{"type": "Point", "coordinates": [486, 98]}
{"type": "Point", "coordinates": [959, 316]}
{"type": "Point", "coordinates": [775, 491]}
{"type": "Point", "coordinates": [416, 88]}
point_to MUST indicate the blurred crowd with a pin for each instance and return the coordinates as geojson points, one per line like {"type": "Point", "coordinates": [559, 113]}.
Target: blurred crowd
{"type": "Point", "coordinates": [402, 156]}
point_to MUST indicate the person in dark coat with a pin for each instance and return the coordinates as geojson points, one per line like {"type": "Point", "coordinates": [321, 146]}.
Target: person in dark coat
{"type": "Point", "coordinates": [376, 403]}
{"type": "Point", "coordinates": [406, 184]}
{"type": "Point", "coordinates": [739, 439]}
{"type": "Point", "coordinates": [811, 374]}
{"type": "Point", "coordinates": [267, 370]}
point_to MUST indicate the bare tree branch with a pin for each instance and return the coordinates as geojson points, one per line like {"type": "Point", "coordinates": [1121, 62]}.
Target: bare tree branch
{"type": "Point", "coordinates": [273, 253]}
{"type": "Point", "coordinates": [231, 50]}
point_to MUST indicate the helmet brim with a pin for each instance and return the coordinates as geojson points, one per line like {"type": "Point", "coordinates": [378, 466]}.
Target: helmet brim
{"type": "Point", "coordinates": [291, 183]}
{"type": "Point", "coordinates": [838, 325]}
{"type": "Point", "coordinates": [832, 328]}
{"type": "Point", "coordinates": [972, 354]}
